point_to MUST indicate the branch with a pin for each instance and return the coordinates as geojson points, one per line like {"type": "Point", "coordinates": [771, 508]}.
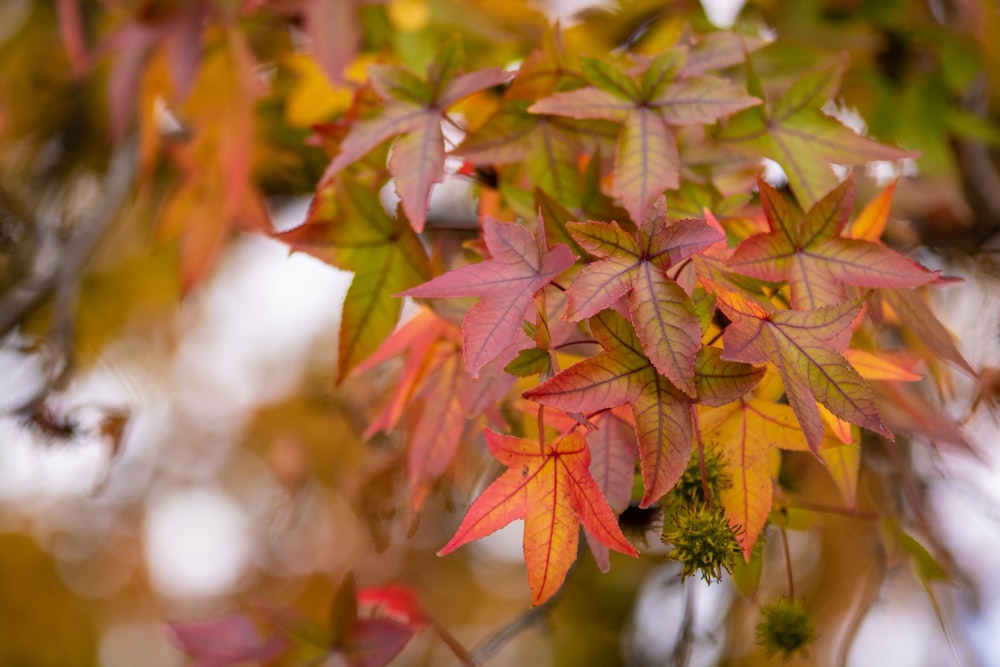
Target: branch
{"type": "Point", "coordinates": [530, 618]}
{"type": "Point", "coordinates": [60, 278]}
{"type": "Point", "coordinates": [76, 250]}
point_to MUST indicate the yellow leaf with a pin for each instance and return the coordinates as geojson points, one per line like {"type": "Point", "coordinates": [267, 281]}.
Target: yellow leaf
{"type": "Point", "coordinates": [883, 366]}
{"type": "Point", "coordinates": [409, 15]}
{"type": "Point", "coordinates": [313, 100]}
{"type": "Point", "coordinates": [844, 463]}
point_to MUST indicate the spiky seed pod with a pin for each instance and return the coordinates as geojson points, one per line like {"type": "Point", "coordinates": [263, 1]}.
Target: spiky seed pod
{"type": "Point", "coordinates": [689, 491]}
{"type": "Point", "coordinates": [786, 627]}
{"type": "Point", "coordinates": [703, 542]}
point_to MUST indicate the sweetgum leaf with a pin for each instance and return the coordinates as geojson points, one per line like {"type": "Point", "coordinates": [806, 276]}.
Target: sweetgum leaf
{"type": "Point", "coordinates": [665, 318]}
{"type": "Point", "coordinates": [550, 486]}
{"type": "Point", "coordinates": [744, 433]}
{"type": "Point", "coordinates": [800, 343]}
{"type": "Point", "coordinates": [792, 131]}
{"type": "Point", "coordinates": [811, 253]}
{"type": "Point", "coordinates": [506, 283]}
{"type": "Point", "coordinates": [646, 159]}
{"type": "Point", "coordinates": [415, 112]}
{"type": "Point", "coordinates": [227, 640]}
{"type": "Point", "coordinates": [663, 416]}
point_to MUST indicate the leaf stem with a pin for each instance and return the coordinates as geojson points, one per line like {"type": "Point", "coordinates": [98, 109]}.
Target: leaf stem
{"type": "Point", "coordinates": [541, 428]}
{"type": "Point", "coordinates": [788, 563]}
{"type": "Point", "coordinates": [701, 456]}
{"type": "Point", "coordinates": [531, 617]}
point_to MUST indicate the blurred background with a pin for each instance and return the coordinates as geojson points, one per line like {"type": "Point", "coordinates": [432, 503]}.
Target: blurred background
{"type": "Point", "coordinates": [195, 457]}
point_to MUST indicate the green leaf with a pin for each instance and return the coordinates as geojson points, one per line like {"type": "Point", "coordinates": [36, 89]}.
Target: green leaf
{"type": "Point", "coordinates": [529, 362]}
{"type": "Point", "coordinates": [802, 139]}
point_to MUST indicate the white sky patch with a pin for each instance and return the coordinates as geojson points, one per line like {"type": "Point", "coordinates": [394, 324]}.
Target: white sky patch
{"type": "Point", "coordinates": [197, 542]}
{"type": "Point", "coordinates": [723, 13]}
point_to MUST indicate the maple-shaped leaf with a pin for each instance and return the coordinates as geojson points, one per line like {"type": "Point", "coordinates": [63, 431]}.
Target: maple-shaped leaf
{"type": "Point", "coordinates": [800, 343]}
{"type": "Point", "coordinates": [663, 416]}
{"type": "Point", "coordinates": [548, 146]}
{"type": "Point", "coordinates": [920, 320]}
{"type": "Point", "coordinates": [811, 252]}
{"type": "Point", "coordinates": [549, 485]}
{"type": "Point", "coordinates": [227, 640]}
{"type": "Point", "coordinates": [646, 158]}
{"type": "Point", "coordinates": [176, 34]}
{"type": "Point", "coordinates": [365, 628]}
{"type": "Point", "coordinates": [432, 392]}
{"type": "Point", "coordinates": [414, 111]}
{"type": "Point", "coordinates": [613, 452]}
{"type": "Point", "coordinates": [366, 640]}
{"type": "Point", "coordinates": [744, 433]}
{"type": "Point", "coordinates": [516, 270]}
{"type": "Point", "coordinates": [793, 131]}
{"type": "Point", "coordinates": [216, 193]}
{"type": "Point", "coordinates": [662, 312]}
{"type": "Point", "coordinates": [356, 234]}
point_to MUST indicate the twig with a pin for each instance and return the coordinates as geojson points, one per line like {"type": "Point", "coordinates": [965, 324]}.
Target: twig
{"type": "Point", "coordinates": [788, 564]}
{"type": "Point", "coordinates": [530, 618]}
{"type": "Point", "coordinates": [27, 294]}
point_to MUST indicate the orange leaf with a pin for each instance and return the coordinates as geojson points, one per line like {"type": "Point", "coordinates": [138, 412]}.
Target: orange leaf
{"type": "Point", "coordinates": [549, 485]}
{"type": "Point", "coordinates": [744, 432]}
{"type": "Point", "coordinates": [870, 223]}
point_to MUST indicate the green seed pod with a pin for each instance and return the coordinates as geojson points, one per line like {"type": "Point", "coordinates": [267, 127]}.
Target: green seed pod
{"type": "Point", "coordinates": [703, 542]}
{"type": "Point", "coordinates": [690, 488]}
{"type": "Point", "coordinates": [786, 627]}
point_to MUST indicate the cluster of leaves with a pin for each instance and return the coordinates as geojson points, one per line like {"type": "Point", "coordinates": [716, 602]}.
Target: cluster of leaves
{"type": "Point", "coordinates": [645, 297]}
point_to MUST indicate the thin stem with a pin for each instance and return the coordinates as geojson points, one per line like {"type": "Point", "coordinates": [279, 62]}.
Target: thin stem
{"type": "Point", "coordinates": [701, 458]}
{"type": "Point", "coordinates": [840, 511]}
{"type": "Point", "coordinates": [586, 341]}
{"type": "Point", "coordinates": [681, 655]}
{"type": "Point", "coordinates": [557, 286]}
{"type": "Point", "coordinates": [715, 337]}
{"type": "Point", "coordinates": [456, 646]}
{"type": "Point", "coordinates": [680, 267]}
{"type": "Point", "coordinates": [541, 428]}
{"type": "Point", "coordinates": [494, 643]}
{"type": "Point", "coordinates": [788, 563]}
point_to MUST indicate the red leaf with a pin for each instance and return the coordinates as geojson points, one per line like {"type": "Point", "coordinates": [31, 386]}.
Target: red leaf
{"type": "Point", "coordinates": [664, 316]}
{"type": "Point", "coordinates": [415, 110]}
{"type": "Point", "coordinates": [227, 640]}
{"type": "Point", "coordinates": [550, 486]}
{"type": "Point", "coordinates": [810, 253]}
{"type": "Point", "coordinates": [799, 344]}
{"type": "Point", "coordinates": [622, 374]}
{"type": "Point", "coordinates": [506, 282]}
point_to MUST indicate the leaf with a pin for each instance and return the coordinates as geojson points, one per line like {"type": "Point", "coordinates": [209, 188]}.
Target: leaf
{"type": "Point", "coordinates": [744, 433]}
{"type": "Point", "coordinates": [811, 253]}
{"type": "Point", "coordinates": [921, 321]}
{"type": "Point", "coordinates": [646, 159]}
{"type": "Point", "coordinates": [550, 487]}
{"type": "Point", "coordinates": [870, 223]}
{"type": "Point", "coordinates": [383, 252]}
{"type": "Point", "coordinates": [844, 465]}
{"type": "Point", "coordinates": [664, 316]}
{"type": "Point", "coordinates": [798, 343]}
{"type": "Point", "coordinates": [432, 391]}
{"type": "Point", "coordinates": [792, 131]}
{"type": "Point", "coordinates": [547, 146]}
{"type": "Point", "coordinates": [613, 453]}
{"type": "Point", "coordinates": [506, 282]}
{"type": "Point", "coordinates": [622, 374]}
{"type": "Point", "coordinates": [414, 111]}
{"type": "Point", "coordinates": [227, 640]}
{"type": "Point", "coordinates": [216, 193]}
